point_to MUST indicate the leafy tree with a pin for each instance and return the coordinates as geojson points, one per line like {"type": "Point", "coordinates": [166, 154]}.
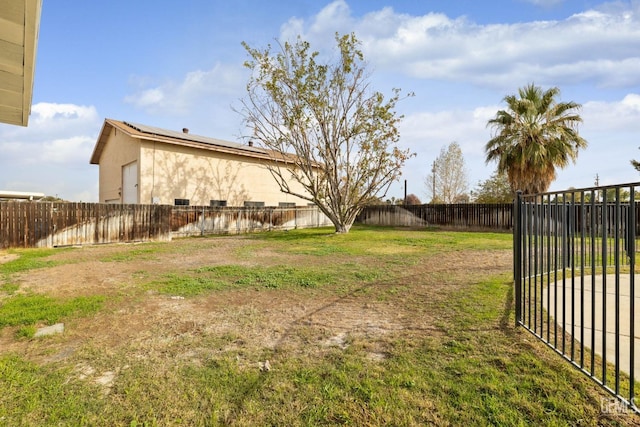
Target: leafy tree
{"type": "Point", "coordinates": [447, 182]}
{"type": "Point", "coordinates": [52, 199]}
{"type": "Point", "coordinates": [496, 189]}
{"type": "Point", "coordinates": [324, 126]}
{"type": "Point", "coordinates": [533, 137]}
{"type": "Point", "coordinates": [577, 196]}
{"type": "Point", "coordinates": [394, 201]}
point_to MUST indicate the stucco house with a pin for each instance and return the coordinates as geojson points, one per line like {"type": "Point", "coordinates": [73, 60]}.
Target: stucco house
{"type": "Point", "coordinates": [19, 27]}
{"type": "Point", "coordinates": [149, 165]}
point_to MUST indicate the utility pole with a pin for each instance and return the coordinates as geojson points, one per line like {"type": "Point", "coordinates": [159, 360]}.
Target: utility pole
{"type": "Point", "coordinates": [405, 192]}
{"type": "Point", "coordinates": [597, 183]}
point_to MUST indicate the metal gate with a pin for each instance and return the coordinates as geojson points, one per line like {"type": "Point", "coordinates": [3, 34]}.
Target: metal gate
{"type": "Point", "coordinates": [575, 276]}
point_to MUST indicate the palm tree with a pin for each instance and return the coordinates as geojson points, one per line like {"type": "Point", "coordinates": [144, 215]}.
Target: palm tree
{"type": "Point", "coordinates": [533, 137]}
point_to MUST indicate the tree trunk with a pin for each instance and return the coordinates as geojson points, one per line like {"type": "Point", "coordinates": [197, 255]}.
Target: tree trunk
{"type": "Point", "coordinates": [342, 228]}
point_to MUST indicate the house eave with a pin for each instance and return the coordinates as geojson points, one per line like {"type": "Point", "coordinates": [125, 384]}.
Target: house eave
{"type": "Point", "coordinates": [19, 28]}
{"type": "Point", "coordinates": [185, 142]}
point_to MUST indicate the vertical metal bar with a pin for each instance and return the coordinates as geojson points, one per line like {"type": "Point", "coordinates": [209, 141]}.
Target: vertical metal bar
{"type": "Point", "coordinates": [632, 297]}
{"type": "Point", "coordinates": [517, 254]}
{"type": "Point", "coordinates": [535, 263]}
{"type": "Point", "coordinates": [555, 275]}
{"type": "Point", "coordinates": [564, 273]}
{"type": "Point", "coordinates": [541, 260]}
{"type": "Point", "coordinates": [605, 237]}
{"type": "Point", "coordinates": [573, 272]}
{"type": "Point", "coordinates": [582, 264]}
{"type": "Point", "coordinates": [527, 258]}
{"type": "Point", "coordinates": [593, 279]}
{"type": "Point", "coordinates": [524, 259]}
{"type": "Point", "coordinates": [616, 255]}
{"type": "Point", "coordinates": [541, 209]}
{"type": "Point", "coordinates": [548, 272]}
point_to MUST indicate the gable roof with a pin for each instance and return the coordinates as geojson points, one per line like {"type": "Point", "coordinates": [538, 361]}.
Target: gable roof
{"type": "Point", "coordinates": [151, 133]}
{"type": "Point", "coordinates": [19, 27]}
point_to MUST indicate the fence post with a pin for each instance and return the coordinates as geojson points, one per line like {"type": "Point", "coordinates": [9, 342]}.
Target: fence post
{"type": "Point", "coordinates": [517, 254]}
{"type": "Point", "coordinates": [202, 227]}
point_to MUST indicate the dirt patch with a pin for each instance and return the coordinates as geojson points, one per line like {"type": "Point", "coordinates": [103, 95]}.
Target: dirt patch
{"type": "Point", "coordinates": [147, 325]}
{"type": "Point", "coordinates": [7, 257]}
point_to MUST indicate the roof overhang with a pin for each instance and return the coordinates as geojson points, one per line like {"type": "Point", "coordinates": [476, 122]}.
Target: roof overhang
{"type": "Point", "coordinates": [194, 141]}
{"type": "Point", "coordinates": [19, 27]}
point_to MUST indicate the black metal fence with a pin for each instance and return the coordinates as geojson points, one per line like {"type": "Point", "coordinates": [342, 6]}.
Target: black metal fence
{"type": "Point", "coordinates": [575, 275]}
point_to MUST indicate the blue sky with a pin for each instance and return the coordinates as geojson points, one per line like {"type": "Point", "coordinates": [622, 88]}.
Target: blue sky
{"type": "Point", "coordinates": [179, 64]}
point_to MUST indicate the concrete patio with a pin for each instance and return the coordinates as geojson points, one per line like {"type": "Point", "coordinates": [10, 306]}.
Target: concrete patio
{"type": "Point", "coordinates": [602, 325]}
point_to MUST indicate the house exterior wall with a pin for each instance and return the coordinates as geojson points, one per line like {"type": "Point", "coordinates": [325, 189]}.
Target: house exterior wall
{"type": "Point", "coordinates": [169, 172]}
{"type": "Point", "coordinates": [121, 150]}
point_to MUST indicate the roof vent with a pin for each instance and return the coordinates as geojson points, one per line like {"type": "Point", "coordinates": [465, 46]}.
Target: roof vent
{"type": "Point", "coordinates": [185, 130]}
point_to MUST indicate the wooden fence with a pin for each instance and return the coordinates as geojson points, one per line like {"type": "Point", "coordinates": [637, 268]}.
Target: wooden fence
{"type": "Point", "coordinates": [46, 224]}
{"type": "Point", "coordinates": [464, 215]}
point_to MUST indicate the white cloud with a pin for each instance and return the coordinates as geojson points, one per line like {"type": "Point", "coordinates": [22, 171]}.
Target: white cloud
{"type": "Point", "coordinates": [426, 133]}
{"type": "Point", "coordinates": [599, 46]}
{"type": "Point", "coordinates": [614, 116]}
{"type": "Point", "coordinates": [52, 154]}
{"type": "Point", "coordinates": [50, 120]}
{"type": "Point", "coordinates": [73, 150]}
{"type": "Point", "coordinates": [146, 98]}
{"type": "Point", "coordinates": [181, 97]}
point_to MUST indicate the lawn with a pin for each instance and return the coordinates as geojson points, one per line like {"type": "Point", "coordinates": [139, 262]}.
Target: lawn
{"type": "Point", "coordinates": [380, 326]}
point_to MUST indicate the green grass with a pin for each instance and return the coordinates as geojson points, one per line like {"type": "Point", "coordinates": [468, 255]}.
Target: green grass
{"type": "Point", "coordinates": [145, 252]}
{"type": "Point", "coordinates": [25, 311]}
{"type": "Point", "coordinates": [205, 279]}
{"type": "Point", "coordinates": [453, 357]}
{"type": "Point", "coordinates": [383, 241]}
{"type": "Point", "coordinates": [46, 396]}
{"type": "Point", "coordinates": [29, 309]}
{"type": "Point", "coordinates": [28, 259]}
{"type": "Point", "coordinates": [9, 288]}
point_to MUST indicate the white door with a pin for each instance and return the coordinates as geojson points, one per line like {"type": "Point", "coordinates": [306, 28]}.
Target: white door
{"type": "Point", "coordinates": [130, 183]}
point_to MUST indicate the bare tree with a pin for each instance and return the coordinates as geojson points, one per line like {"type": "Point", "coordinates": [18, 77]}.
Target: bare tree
{"type": "Point", "coordinates": [447, 182]}
{"type": "Point", "coordinates": [324, 126]}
